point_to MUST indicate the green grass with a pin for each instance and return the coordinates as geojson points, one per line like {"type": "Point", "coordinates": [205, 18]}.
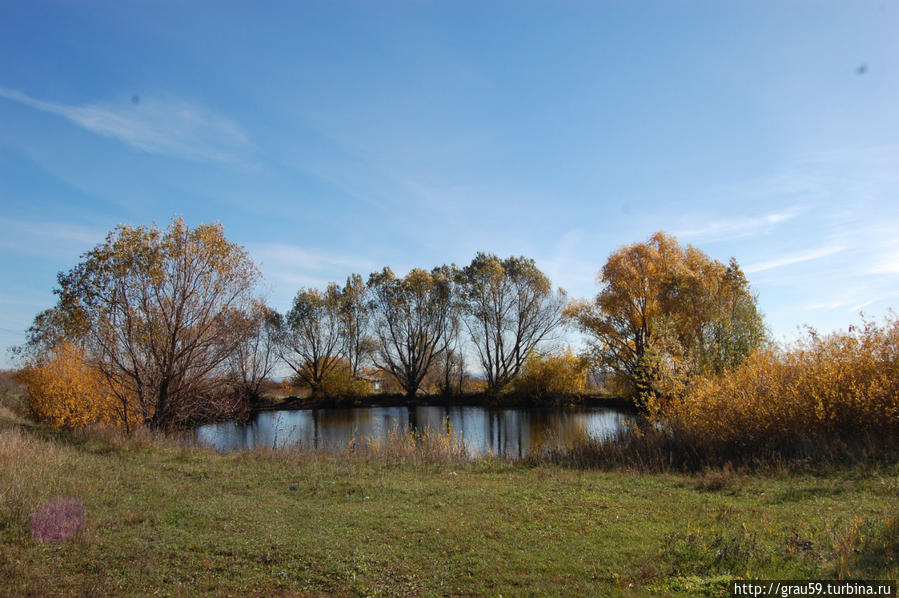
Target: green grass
{"type": "Point", "coordinates": [175, 521]}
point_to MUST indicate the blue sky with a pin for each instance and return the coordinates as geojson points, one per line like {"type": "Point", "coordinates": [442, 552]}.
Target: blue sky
{"type": "Point", "coordinates": [336, 137]}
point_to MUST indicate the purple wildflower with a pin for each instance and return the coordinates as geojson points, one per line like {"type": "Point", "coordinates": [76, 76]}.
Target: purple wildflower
{"type": "Point", "coordinates": [57, 519]}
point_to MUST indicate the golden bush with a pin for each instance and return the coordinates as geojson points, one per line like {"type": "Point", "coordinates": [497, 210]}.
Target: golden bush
{"type": "Point", "coordinates": [64, 391]}
{"type": "Point", "coordinates": [340, 382]}
{"type": "Point", "coordinates": [843, 387]}
{"type": "Point", "coordinates": [553, 375]}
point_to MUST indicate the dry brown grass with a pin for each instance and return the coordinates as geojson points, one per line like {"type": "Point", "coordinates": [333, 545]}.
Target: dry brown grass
{"type": "Point", "coordinates": [36, 463]}
{"type": "Point", "coordinates": [13, 402]}
{"type": "Point", "coordinates": [32, 471]}
{"type": "Point", "coordinates": [824, 397]}
{"type": "Point", "coordinates": [402, 446]}
{"type": "Point", "coordinates": [411, 446]}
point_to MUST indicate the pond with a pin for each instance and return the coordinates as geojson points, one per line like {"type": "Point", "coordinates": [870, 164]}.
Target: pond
{"type": "Point", "coordinates": [507, 432]}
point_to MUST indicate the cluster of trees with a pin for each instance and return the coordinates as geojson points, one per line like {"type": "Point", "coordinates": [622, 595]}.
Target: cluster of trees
{"type": "Point", "coordinates": [170, 324]}
{"type": "Point", "coordinates": [414, 326]}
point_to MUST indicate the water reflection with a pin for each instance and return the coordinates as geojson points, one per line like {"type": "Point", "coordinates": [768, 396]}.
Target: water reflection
{"type": "Point", "coordinates": [507, 432]}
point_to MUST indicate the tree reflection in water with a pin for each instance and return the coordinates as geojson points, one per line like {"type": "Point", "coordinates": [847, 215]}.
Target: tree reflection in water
{"type": "Point", "coordinates": [507, 432]}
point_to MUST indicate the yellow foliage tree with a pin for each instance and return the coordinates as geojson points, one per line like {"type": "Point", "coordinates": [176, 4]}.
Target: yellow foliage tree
{"type": "Point", "coordinates": [412, 317]}
{"type": "Point", "coordinates": [663, 307]}
{"type": "Point", "coordinates": [510, 307]}
{"type": "Point", "coordinates": [66, 392]}
{"type": "Point", "coordinates": [161, 313]}
{"type": "Point", "coordinates": [309, 337]}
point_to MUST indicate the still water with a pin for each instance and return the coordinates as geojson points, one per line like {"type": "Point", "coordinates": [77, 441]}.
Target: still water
{"type": "Point", "coordinates": [506, 432]}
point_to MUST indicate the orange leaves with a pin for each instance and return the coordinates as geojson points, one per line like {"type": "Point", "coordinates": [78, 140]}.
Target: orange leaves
{"type": "Point", "coordinates": [158, 306]}
{"type": "Point", "coordinates": [664, 308]}
{"type": "Point", "coordinates": [66, 392]}
{"type": "Point", "coordinates": [839, 386]}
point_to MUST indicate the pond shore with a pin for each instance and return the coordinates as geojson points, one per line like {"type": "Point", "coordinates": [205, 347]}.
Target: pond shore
{"type": "Point", "coordinates": [466, 400]}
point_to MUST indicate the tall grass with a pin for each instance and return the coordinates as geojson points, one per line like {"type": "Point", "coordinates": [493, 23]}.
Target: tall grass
{"type": "Point", "coordinates": [159, 514]}
{"type": "Point", "coordinates": [825, 396]}
{"type": "Point", "coordinates": [13, 401]}
{"type": "Point", "coordinates": [32, 471]}
{"type": "Point", "coordinates": [411, 446]}
{"type": "Point", "coordinates": [397, 446]}
{"type": "Point", "coordinates": [828, 399]}
{"type": "Point", "coordinates": [36, 463]}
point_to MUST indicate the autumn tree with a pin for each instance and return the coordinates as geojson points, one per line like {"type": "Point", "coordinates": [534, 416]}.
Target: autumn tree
{"type": "Point", "coordinates": [64, 323]}
{"type": "Point", "coordinates": [711, 320]}
{"type": "Point", "coordinates": [447, 371]}
{"type": "Point", "coordinates": [310, 340]}
{"type": "Point", "coordinates": [255, 355]}
{"type": "Point", "coordinates": [342, 383]}
{"type": "Point", "coordinates": [154, 311]}
{"type": "Point", "coordinates": [510, 307]}
{"type": "Point", "coordinates": [664, 305]}
{"type": "Point", "coordinates": [449, 368]}
{"type": "Point", "coordinates": [355, 324]}
{"type": "Point", "coordinates": [410, 321]}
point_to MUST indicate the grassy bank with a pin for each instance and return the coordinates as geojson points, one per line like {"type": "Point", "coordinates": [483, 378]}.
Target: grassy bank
{"type": "Point", "coordinates": [167, 519]}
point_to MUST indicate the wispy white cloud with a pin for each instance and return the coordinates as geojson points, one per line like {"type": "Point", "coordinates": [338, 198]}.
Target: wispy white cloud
{"type": "Point", "coordinates": [65, 240]}
{"type": "Point", "coordinates": [61, 231]}
{"type": "Point", "coordinates": [851, 305]}
{"type": "Point", "coordinates": [793, 259]}
{"type": "Point", "coordinates": [289, 267]}
{"type": "Point", "coordinates": [301, 258]}
{"type": "Point", "coordinates": [7, 299]}
{"type": "Point", "coordinates": [865, 304]}
{"type": "Point", "coordinates": [166, 126]}
{"type": "Point", "coordinates": [825, 305]}
{"type": "Point", "coordinates": [569, 266]}
{"type": "Point", "coordinates": [739, 227]}
{"type": "Point", "coordinates": [887, 263]}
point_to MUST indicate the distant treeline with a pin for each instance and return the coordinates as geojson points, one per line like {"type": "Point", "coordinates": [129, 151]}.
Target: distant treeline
{"type": "Point", "coordinates": [165, 327]}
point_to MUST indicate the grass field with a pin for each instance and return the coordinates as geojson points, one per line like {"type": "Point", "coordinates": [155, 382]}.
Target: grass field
{"type": "Point", "coordinates": [169, 520]}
